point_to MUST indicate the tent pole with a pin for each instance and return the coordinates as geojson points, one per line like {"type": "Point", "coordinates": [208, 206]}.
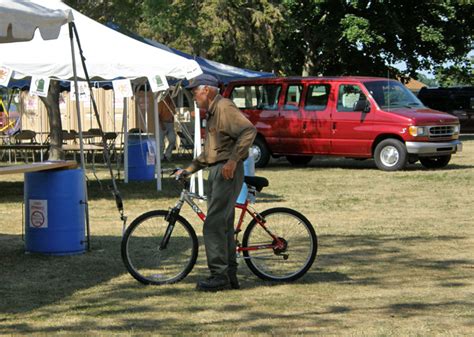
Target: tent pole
{"type": "Point", "coordinates": [125, 142]}
{"type": "Point", "coordinates": [197, 145]}
{"type": "Point", "coordinates": [157, 142]}
{"type": "Point", "coordinates": [81, 140]}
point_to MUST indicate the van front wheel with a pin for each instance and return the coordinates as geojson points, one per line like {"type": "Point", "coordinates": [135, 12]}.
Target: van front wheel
{"type": "Point", "coordinates": [390, 155]}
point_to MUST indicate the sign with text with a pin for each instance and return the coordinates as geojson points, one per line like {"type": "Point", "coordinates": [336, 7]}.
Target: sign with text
{"type": "Point", "coordinates": [38, 212]}
{"type": "Point", "coordinates": [39, 86]}
{"type": "Point", "coordinates": [158, 83]}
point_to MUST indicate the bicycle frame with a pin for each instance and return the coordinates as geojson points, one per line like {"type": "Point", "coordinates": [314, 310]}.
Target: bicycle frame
{"type": "Point", "coordinates": [245, 208]}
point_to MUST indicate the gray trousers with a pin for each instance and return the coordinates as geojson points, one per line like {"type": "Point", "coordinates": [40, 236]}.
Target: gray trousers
{"type": "Point", "coordinates": [218, 230]}
{"type": "Point", "coordinates": [169, 133]}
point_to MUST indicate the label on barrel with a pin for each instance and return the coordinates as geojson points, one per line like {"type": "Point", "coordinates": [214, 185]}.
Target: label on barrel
{"type": "Point", "coordinates": [150, 158]}
{"type": "Point", "coordinates": [38, 211]}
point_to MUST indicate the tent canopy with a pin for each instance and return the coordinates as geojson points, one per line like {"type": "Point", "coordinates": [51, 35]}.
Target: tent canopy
{"type": "Point", "coordinates": [223, 72]}
{"type": "Point", "coordinates": [109, 54]}
{"type": "Point", "coordinates": [19, 20]}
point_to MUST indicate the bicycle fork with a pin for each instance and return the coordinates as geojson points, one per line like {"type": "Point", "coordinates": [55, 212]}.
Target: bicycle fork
{"type": "Point", "coordinates": [171, 217]}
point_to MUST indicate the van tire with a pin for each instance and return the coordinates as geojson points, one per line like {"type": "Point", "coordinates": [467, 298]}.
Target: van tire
{"type": "Point", "coordinates": [262, 154]}
{"type": "Point", "coordinates": [390, 155]}
{"type": "Point", "coordinates": [299, 160]}
{"type": "Point", "coordinates": [435, 162]}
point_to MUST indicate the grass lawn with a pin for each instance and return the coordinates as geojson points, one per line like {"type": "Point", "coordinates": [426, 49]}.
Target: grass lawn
{"type": "Point", "coordinates": [395, 258]}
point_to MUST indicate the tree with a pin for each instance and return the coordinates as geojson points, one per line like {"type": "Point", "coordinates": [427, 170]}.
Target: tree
{"type": "Point", "coordinates": [55, 125]}
{"type": "Point", "coordinates": [363, 37]}
{"type": "Point", "coordinates": [239, 32]}
{"type": "Point", "coordinates": [457, 74]}
{"type": "Point", "coordinates": [125, 12]}
{"type": "Point", "coordinates": [430, 82]}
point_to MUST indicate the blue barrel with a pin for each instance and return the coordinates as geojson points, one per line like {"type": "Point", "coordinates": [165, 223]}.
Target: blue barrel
{"type": "Point", "coordinates": [141, 158]}
{"type": "Point", "coordinates": [54, 212]}
{"type": "Point", "coordinates": [249, 170]}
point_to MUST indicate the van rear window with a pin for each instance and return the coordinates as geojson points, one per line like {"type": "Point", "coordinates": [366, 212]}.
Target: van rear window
{"type": "Point", "coordinates": [317, 97]}
{"type": "Point", "coordinates": [262, 97]}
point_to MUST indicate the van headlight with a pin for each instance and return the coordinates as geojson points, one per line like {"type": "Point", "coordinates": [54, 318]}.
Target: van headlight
{"type": "Point", "coordinates": [456, 129]}
{"type": "Point", "coordinates": [417, 131]}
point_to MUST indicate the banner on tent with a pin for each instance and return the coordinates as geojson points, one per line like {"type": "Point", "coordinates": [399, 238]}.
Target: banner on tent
{"type": "Point", "coordinates": [158, 83]}
{"type": "Point", "coordinates": [84, 92]}
{"type": "Point", "coordinates": [39, 86]}
{"type": "Point", "coordinates": [122, 88]}
{"type": "Point", "coordinates": [5, 75]}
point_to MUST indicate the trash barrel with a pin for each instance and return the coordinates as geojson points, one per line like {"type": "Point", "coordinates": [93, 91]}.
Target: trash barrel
{"type": "Point", "coordinates": [55, 212]}
{"type": "Point", "coordinates": [249, 170]}
{"type": "Point", "coordinates": [141, 158]}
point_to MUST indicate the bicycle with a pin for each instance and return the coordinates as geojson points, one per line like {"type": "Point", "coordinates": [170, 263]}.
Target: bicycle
{"type": "Point", "coordinates": [161, 246]}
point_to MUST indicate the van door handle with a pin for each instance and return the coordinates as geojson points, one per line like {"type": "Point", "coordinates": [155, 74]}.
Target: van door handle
{"type": "Point", "coordinates": [334, 125]}
{"type": "Point", "coordinates": [304, 126]}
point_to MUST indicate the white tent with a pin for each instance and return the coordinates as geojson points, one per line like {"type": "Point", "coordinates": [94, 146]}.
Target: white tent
{"type": "Point", "coordinates": [19, 20]}
{"type": "Point", "coordinates": [109, 54]}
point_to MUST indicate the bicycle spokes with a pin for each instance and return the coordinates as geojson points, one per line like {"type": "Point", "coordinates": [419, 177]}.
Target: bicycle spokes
{"type": "Point", "coordinates": [282, 249]}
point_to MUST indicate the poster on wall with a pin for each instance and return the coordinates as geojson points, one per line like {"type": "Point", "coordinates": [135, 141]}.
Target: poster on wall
{"type": "Point", "coordinates": [30, 105]}
{"type": "Point", "coordinates": [39, 86]}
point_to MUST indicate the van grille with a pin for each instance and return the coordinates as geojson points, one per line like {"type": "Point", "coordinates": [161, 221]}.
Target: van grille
{"type": "Point", "coordinates": [441, 131]}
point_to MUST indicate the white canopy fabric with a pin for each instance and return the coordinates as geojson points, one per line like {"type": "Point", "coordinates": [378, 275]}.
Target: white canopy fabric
{"type": "Point", "coordinates": [109, 54]}
{"type": "Point", "coordinates": [19, 20]}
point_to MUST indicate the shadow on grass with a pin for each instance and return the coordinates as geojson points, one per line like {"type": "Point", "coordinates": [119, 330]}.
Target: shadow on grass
{"type": "Point", "coordinates": [13, 191]}
{"type": "Point", "coordinates": [31, 281]}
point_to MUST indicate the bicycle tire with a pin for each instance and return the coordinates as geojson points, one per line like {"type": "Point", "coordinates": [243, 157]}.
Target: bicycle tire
{"type": "Point", "coordinates": [150, 265]}
{"type": "Point", "coordinates": [300, 252]}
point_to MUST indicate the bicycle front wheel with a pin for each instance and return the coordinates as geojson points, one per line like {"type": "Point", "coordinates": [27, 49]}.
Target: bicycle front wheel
{"type": "Point", "coordinates": [295, 253]}
{"type": "Point", "coordinates": [151, 262]}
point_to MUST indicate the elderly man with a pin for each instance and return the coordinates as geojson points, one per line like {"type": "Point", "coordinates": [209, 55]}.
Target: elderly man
{"type": "Point", "coordinates": [229, 136]}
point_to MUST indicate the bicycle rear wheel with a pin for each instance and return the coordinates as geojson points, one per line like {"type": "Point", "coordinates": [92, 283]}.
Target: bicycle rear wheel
{"type": "Point", "coordinates": [288, 262]}
{"type": "Point", "coordinates": [150, 264]}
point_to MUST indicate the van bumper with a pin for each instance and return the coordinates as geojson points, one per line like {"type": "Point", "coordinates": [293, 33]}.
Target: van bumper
{"type": "Point", "coordinates": [426, 148]}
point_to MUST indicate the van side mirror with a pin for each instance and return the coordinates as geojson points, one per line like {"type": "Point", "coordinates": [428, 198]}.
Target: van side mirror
{"type": "Point", "coordinates": [362, 105]}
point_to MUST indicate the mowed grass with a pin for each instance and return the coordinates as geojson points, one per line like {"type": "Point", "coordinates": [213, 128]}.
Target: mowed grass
{"type": "Point", "coordinates": [395, 258]}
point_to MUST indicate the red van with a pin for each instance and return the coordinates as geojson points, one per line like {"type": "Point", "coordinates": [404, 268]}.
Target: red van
{"type": "Point", "coordinates": [354, 117]}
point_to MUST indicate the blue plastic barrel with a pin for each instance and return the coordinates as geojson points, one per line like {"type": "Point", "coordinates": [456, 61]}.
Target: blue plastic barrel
{"type": "Point", "coordinates": [249, 170]}
{"type": "Point", "coordinates": [54, 212]}
{"type": "Point", "coordinates": [141, 158]}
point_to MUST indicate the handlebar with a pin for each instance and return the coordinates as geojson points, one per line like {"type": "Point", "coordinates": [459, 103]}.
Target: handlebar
{"type": "Point", "coordinates": [183, 178]}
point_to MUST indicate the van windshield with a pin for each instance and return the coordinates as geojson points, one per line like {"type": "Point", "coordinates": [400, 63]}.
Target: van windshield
{"type": "Point", "coordinates": [392, 95]}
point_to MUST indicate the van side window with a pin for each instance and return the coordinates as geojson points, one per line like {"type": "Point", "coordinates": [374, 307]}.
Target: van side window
{"type": "Point", "coordinates": [317, 97]}
{"type": "Point", "coordinates": [256, 96]}
{"type": "Point", "coordinates": [348, 97]}
{"type": "Point", "coordinates": [293, 96]}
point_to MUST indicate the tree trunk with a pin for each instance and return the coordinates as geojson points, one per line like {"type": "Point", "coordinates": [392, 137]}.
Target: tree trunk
{"type": "Point", "coordinates": [54, 116]}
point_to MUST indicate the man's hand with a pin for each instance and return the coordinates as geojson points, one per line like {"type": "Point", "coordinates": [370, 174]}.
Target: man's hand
{"type": "Point", "coordinates": [228, 169]}
{"type": "Point", "coordinates": [181, 174]}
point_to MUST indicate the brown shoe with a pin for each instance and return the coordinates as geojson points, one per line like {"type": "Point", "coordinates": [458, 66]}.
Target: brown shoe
{"type": "Point", "coordinates": [214, 283]}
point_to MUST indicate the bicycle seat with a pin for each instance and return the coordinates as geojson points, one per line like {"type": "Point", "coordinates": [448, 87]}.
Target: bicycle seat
{"type": "Point", "coordinates": [258, 182]}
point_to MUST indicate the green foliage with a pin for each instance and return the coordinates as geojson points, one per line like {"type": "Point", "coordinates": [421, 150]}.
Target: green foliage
{"type": "Point", "coordinates": [459, 74]}
{"type": "Point", "coordinates": [430, 82]}
{"type": "Point", "coordinates": [338, 37]}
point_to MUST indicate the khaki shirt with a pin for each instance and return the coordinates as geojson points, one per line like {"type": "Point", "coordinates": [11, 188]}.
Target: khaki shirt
{"type": "Point", "coordinates": [229, 135]}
